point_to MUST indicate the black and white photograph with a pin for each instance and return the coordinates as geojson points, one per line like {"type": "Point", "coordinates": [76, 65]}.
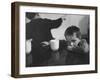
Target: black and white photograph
{"type": "Point", "coordinates": [52, 39]}
{"type": "Point", "coordinates": [56, 39]}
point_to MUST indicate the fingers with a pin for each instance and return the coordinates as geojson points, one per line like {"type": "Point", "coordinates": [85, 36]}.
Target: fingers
{"type": "Point", "coordinates": [84, 45]}
{"type": "Point", "coordinates": [45, 43]}
{"type": "Point", "coordinates": [63, 17]}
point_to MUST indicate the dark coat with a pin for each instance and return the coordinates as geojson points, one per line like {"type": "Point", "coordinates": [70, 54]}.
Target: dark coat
{"type": "Point", "coordinates": [39, 31]}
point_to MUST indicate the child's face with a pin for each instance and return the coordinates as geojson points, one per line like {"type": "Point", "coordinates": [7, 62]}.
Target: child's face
{"type": "Point", "coordinates": [73, 39]}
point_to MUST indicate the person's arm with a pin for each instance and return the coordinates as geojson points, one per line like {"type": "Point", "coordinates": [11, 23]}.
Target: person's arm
{"type": "Point", "coordinates": [82, 47]}
{"type": "Point", "coordinates": [55, 23]}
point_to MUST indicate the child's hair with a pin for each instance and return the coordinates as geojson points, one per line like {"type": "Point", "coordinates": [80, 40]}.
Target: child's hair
{"type": "Point", "coordinates": [73, 29]}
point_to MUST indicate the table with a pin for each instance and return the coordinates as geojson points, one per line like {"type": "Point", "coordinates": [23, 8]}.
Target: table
{"type": "Point", "coordinates": [58, 58]}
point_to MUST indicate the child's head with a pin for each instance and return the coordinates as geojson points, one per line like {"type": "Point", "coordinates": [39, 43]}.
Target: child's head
{"type": "Point", "coordinates": [73, 34]}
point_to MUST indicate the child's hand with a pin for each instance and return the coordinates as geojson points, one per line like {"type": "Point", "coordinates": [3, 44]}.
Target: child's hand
{"type": "Point", "coordinates": [73, 44]}
{"type": "Point", "coordinates": [70, 46]}
{"type": "Point", "coordinates": [84, 45]}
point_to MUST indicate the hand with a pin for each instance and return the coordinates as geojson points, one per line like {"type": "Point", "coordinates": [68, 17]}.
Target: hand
{"type": "Point", "coordinates": [45, 43]}
{"type": "Point", "coordinates": [84, 45]}
{"type": "Point", "coordinates": [28, 46]}
{"type": "Point", "coordinates": [70, 48]}
{"type": "Point", "coordinates": [72, 44]}
{"type": "Point", "coordinates": [63, 17]}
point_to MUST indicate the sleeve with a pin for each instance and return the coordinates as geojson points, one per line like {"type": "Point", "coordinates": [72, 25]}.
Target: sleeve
{"type": "Point", "coordinates": [54, 23]}
{"type": "Point", "coordinates": [28, 31]}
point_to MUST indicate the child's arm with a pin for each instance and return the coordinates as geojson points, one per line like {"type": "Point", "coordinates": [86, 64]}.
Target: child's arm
{"type": "Point", "coordinates": [82, 47]}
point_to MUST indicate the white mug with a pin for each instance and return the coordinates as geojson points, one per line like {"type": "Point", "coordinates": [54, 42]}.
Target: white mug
{"type": "Point", "coordinates": [54, 44]}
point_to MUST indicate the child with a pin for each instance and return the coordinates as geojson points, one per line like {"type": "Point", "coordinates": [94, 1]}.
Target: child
{"type": "Point", "coordinates": [78, 48]}
{"type": "Point", "coordinates": [72, 51]}
{"type": "Point", "coordinates": [74, 38]}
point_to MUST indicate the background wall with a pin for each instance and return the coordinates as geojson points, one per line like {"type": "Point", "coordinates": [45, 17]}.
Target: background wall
{"type": "Point", "coordinates": [80, 21]}
{"type": "Point", "coordinates": [5, 40]}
